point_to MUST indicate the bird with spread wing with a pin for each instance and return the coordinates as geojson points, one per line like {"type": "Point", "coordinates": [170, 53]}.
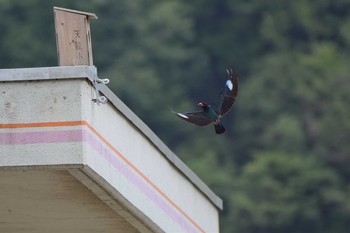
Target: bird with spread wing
{"type": "Point", "coordinates": [214, 112]}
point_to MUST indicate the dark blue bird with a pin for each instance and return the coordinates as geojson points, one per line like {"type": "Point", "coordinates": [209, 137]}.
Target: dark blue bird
{"type": "Point", "coordinates": [214, 112]}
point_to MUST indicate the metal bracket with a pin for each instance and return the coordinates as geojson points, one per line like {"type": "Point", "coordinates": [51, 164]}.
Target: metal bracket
{"type": "Point", "coordinates": [96, 82]}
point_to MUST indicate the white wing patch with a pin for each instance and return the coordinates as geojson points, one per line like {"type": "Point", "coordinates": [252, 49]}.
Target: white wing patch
{"type": "Point", "coordinates": [229, 84]}
{"type": "Point", "coordinates": [182, 115]}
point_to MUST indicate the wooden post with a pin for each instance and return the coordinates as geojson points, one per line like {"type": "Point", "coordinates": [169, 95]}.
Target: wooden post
{"type": "Point", "coordinates": [73, 37]}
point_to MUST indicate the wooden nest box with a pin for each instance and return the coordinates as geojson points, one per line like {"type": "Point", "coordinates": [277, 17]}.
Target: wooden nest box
{"type": "Point", "coordinates": [73, 37]}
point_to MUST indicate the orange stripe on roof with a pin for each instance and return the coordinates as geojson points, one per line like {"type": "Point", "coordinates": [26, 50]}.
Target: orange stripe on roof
{"type": "Point", "coordinates": [42, 124]}
{"type": "Point", "coordinates": [85, 123]}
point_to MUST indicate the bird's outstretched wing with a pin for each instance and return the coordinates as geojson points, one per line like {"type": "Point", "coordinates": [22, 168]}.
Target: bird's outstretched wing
{"type": "Point", "coordinates": [228, 95]}
{"type": "Point", "coordinates": [197, 118]}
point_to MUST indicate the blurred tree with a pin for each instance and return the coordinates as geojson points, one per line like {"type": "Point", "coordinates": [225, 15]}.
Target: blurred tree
{"type": "Point", "coordinates": [26, 39]}
{"type": "Point", "coordinates": [281, 192]}
{"type": "Point", "coordinates": [299, 113]}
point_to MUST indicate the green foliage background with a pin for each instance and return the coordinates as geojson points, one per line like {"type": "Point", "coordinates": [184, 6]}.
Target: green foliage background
{"type": "Point", "coordinates": [283, 164]}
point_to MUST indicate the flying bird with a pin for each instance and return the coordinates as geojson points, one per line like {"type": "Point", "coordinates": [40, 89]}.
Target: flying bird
{"type": "Point", "coordinates": [214, 112]}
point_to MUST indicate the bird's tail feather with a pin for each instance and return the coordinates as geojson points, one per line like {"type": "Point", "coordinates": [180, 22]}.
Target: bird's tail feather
{"type": "Point", "coordinates": [219, 128]}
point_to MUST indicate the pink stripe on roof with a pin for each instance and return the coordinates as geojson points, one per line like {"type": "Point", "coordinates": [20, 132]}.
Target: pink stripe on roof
{"type": "Point", "coordinates": [40, 137]}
